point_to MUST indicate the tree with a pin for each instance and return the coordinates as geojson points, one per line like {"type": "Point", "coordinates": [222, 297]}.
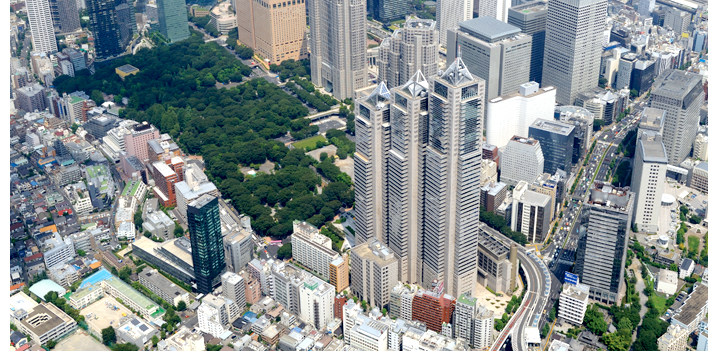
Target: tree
{"type": "Point", "coordinates": [138, 220]}
{"type": "Point", "coordinates": [124, 273]}
{"type": "Point", "coordinates": [155, 340]}
{"type": "Point", "coordinates": [673, 267]}
{"type": "Point", "coordinates": [109, 336]}
{"type": "Point", "coordinates": [598, 124]}
{"type": "Point", "coordinates": [81, 253]}
{"type": "Point", "coordinates": [178, 230]}
{"type": "Point", "coordinates": [181, 306]}
{"type": "Point", "coordinates": [147, 234]}
{"type": "Point", "coordinates": [51, 344]}
{"type": "Point", "coordinates": [695, 219]}
{"type": "Point", "coordinates": [97, 97]}
{"type": "Point", "coordinates": [284, 252]}
{"type": "Point", "coordinates": [74, 127]}
{"type": "Point", "coordinates": [323, 156]}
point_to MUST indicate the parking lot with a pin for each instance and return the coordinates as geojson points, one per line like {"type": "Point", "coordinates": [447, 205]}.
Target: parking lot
{"type": "Point", "coordinates": [331, 123]}
{"type": "Point", "coordinates": [101, 316]}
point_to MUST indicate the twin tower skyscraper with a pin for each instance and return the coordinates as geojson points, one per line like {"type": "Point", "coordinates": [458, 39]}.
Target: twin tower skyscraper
{"type": "Point", "coordinates": [417, 174]}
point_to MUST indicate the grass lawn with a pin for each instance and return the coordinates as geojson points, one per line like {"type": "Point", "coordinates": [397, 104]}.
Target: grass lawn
{"type": "Point", "coordinates": [659, 303]}
{"type": "Point", "coordinates": [694, 243]}
{"type": "Point", "coordinates": [310, 142]}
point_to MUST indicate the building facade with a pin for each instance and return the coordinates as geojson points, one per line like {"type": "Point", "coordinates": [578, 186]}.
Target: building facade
{"type": "Point", "coordinates": [522, 160]}
{"type": "Point", "coordinates": [602, 244]}
{"type": "Point", "coordinates": [173, 19]}
{"type": "Point", "coordinates": [648, 181]}
{"type": "Point", "coordinates": [409, 49]}
{"type": "Point", "coordinates": [312, 249]}
{"type": "Point", "coordinates": [276, 30]}
{"type": "Point", "coordinates": [41, 26]}
{"type": "Point", "coordinates": [556, 141]}
{"type": "Point", "coordinates": [573, 303]}
{"type": "Point", "coordinates": [573, 45]}
{"type": "Point", "coordinates": [206, 238]}
{"type": "Point", "coordinates": [495, 51]}
{"type": "Point", "coordinates": [374, 271]}
{"type": "Point", "coordinates": [531, 18]}
{"type": "Point", "coordinates": [338, 46]}
{"type": "Point", "coordinates": [512, 114]}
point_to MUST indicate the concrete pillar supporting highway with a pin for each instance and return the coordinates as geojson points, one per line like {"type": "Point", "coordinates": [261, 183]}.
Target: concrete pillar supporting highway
{"type": "Point", "coordinates": [514, 265]}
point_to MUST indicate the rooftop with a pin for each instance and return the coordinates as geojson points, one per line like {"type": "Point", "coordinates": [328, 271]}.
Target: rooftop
{"type": "Point", "coordinates": [692, 306]}
{"type": "Point", "coordinates": [535, 198]}
{"type": "Point", "coordinates": [128, 69]}
{"type": "Point", "coordinates": [652, 118]}
{"type": "Point", "coordinates": [579, 291]}
{"type": "Point", "coordinates": [675, 83]}
{"type": "Point", "coordinates": [490, 243]}
{"type": "Point", "coordinates": [467, 300]}
{"type": "Point", "coordinates": [530, 7]}
{"type": "Point", "coordinates": [517, 93]}
{"type": "Point", "coordinates": [43, 318]}
{"type": "Point", "coordinates": [41, 288]}
{"type": "Point", "coordinates": [653, 150]}
{"type": "Point", "coordinates": [667, 276]}
{"type": "Point", "coordinates": [161, 282]}
{"type": "Point", "coordinates": [526, 141]}
{"type": "Point", "coordinates": [374, 250]}
{"type": "Point", "coordinates": [553, 126]}
{"type": "Point", "coordinates": [488, 29]}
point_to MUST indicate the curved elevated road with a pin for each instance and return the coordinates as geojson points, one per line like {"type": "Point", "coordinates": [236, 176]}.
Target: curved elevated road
{"type": "Point", "coordinates": [536, 296]}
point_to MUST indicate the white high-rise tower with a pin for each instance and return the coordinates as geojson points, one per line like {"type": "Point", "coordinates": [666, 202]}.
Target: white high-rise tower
{"type": "Point", "coordinates": [449, 13]}
{"type": "Point", "coordinates": [43, 32]}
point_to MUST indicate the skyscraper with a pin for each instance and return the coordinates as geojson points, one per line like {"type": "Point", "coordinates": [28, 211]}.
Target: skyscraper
{"type": "Point", "coordinates": [602, 240]}
{"type": "Point", "coordinates": [207, 245]}
{"type": "Point", "coordinates": [69, 16]}
{"type": "Point", "coordinates": [406, 161]}
{"type": "Point", "coordinates": [531, 18]}
{"type": "Point", "coordinates": [41, 27]}
{"type": "Point", "coordinates": [173, 19]}
{"type": "Point", "coordinates": [648, 180]}
{"type": "Point", "coordinates": [411, 48]}
{"type": "Point", "coordinates": [338, 45]}
{"type": "Point", "coordinates": [497, 9]}
{"type": "Point", "coordinates": [681, 95]}
{"type": "Point", "coordinates": [573, 45]}
{"type": "Point", "coordinates": [275, 29]}
{"type": "Point", "coordinates": [449, 13]}
{"type": "Point", "coordinates": [113, 23]}
{"type": "Point", "coordinates": [389, 10]}
{"type": "Point", "coordinates": [522, 160]}
{"type": "Point", "coordinates": [452, 178]}
{"type": "Point", "coordinates": [494, 51]}
{"type": "Point", "coordinates": [372, 136]}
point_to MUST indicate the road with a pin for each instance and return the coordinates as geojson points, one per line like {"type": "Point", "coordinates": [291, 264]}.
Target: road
{"type": "Point", "coordinates": [539, 284]}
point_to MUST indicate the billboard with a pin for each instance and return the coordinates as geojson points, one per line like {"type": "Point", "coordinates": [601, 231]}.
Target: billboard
{"type": "Point", "coordinates": [571, 278]}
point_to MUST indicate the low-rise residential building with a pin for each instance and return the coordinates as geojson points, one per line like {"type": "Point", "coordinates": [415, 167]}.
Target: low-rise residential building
{"type": "Point", "coordinates": [185, 340]}
{"type": "Point", "coordinates": [429, 340]}
{"type": "Point", "coordinates": [667, 281]}
{"type": "Point", "coordinates": [58, 251]}
{"type": "Point", "coordinates": [573, 303]}
{"type": "Point", "coordinates": [374, 271]}
{"type": "Point", "coordinates": [164, 287]}
{"type": "Point", "coordinates": [317, 302]}
{"type": "Point", "coordinates": [401, 303]}
{"type": "Point", "coordinates": [126, 230]}
{"type": "Point", "coordinates": [675, 339]}
{"type": "Point", "coordinates": [136, 331]}
{"type": "Point", "coordinates": [312, 249]}
{"type": "Point", "coordinates": [64, 275]}
{"type": "Point", "coordinates": [686, 268]}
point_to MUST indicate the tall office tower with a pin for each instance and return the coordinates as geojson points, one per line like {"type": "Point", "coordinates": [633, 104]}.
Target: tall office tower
{"type": "Point", "coordinates": [207, 246]}
{"type": "Point", "coordinates": [109, 22]}
{"type": "Point", "coordinates": [449, 13]}
{"type": "Point", "coordinates": [497, 9]}
{"type": "Point", "coordinates": [556, 140]}
{"type": "Point", "coordinates": [338, 46]}
{"type": "Point", "coordinates": [173, 19]}
{"type": "Point", "coordinates": [645, 7]}
{"type": "Point", "coordinates": [452, 178]}
{"type": "Point", "coordinates": [677, 20]}
{"type": "Point", "coordinates": [680, 94]}
{"type": "Point", "coordinates": [275, 29]}
{"type": "Point", "coordinates": [372, 136]}
{"type": "Point", "coordinates": [389, 10]}
{"type": "Point", "coordinates": [511, 114]}
{"type": "Point", "coordinates": [531, 213]}
{"type": "Point", "coordinates": [69, 16]}
{"type": "Point", "coordinates": [522, 160]}
{"type": "Point", "coordinates": [406, 160]}
{"type": "Point", "coordinates": [531, 18]}
{"type": "Point", "coordinates": [494, 51]}
{"type": "Point", "coordinates": [41, 27]}
{"type": "Point", "coordinates": [573, 44]}
{"type": "Point", "coordinates": [605, 223]}
{"type": "Point", "coordinates": [411, 48]}
{"type": "Point", "coordinates": [648, 181]}
{"type": "Point", "coordinates": [624, 71]}
{"type": "Point", "coordinates": [374, 271]}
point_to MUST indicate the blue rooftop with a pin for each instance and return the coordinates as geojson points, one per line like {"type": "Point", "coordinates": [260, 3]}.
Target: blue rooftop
{"type": "Point", "coordinates": [101, 275]}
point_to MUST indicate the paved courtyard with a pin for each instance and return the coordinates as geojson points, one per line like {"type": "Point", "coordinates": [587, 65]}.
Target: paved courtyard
{"type": "Point", "coordinates": [495, 303]}
{"type": "Point", "coordinates": [79, 340]}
